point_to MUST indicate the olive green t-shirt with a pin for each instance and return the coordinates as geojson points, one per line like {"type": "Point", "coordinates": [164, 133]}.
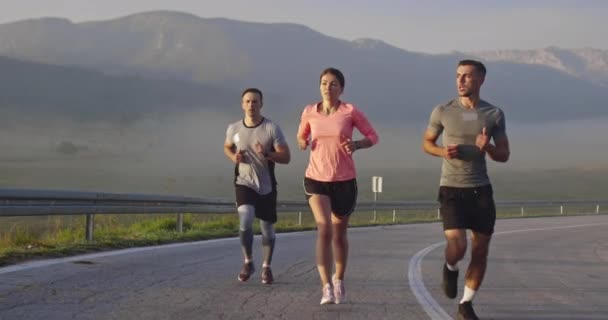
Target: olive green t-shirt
{"type": "Point", "coordinates": [460, 125]}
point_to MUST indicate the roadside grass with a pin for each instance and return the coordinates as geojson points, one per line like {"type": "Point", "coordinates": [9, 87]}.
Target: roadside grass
{"type": "Point", "coordinates": [30, 238]}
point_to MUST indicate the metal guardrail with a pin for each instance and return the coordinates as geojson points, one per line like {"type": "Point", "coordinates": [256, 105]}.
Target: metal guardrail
{"type": "Point", "coordinates": [33, 202]}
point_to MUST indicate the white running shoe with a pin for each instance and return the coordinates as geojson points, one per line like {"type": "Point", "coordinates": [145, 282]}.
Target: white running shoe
{"type": "Point", "coordinates": [328, 295]}
{"type": "Point", "coordinates": [339, 291]}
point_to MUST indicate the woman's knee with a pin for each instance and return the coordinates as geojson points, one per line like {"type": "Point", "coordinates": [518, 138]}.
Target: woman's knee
{"type": "Point", "coordinates": [324, 231]}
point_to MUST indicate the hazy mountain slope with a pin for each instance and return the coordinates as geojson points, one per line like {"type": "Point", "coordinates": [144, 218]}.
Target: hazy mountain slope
{"type": "Point", "coordinates": [585, 63]}
{"type": "Point", "coordinates": [54, 91]}
{"type": "Point", "coordinates": [390, 84]}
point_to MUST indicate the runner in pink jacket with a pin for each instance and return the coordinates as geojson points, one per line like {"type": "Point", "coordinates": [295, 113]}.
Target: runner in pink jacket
{"type": "Point", "coordinates": [330, 180]}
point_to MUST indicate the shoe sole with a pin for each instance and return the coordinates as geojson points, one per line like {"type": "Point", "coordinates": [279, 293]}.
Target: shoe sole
{"type": "Point", "coordinates": [243, 280]}
{"type": "Point", "coordinates": [460, 317]}
{"type": "Point", "coordinates": [337, 301]}
{"type": "Point", "coordinates": [340, 301]}
{"type": "Point", "coordinates": [267, 281]}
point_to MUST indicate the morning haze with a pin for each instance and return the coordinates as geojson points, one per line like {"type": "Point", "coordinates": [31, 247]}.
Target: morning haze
{"type": "Point", "coordinates": [141, 104]}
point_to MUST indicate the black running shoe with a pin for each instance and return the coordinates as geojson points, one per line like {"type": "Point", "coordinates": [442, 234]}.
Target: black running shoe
{"type": "Point", "coordinates": [450, 282]}
{"type": "Point", "coordinates": [246, 271]}
{"type": "Point", "coordinates": [466, 312]}
{"type": "Point", "coordinates": [267, 277]}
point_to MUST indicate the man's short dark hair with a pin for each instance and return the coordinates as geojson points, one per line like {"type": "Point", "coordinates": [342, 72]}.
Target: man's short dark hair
{"type": "Point", "coordinates": [254, 90]}
{"type": "Point", "coordinates": [478, 65]}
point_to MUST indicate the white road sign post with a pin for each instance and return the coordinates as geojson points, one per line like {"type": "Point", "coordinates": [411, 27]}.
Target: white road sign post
{"type": "Point", "coordinates": [376, 188]}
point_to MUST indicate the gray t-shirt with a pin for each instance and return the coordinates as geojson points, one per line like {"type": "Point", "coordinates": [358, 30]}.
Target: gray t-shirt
{"type": "Point", "coordinates": [255, 171]}
{"type": "Point", "coordinates": [461, 126]}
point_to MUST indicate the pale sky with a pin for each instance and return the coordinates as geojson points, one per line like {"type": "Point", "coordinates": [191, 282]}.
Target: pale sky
{"type": "Point", "coordinates": [436, 26]}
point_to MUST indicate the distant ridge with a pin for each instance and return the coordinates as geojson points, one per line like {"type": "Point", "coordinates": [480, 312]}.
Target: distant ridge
{"type": "Point", "coordinates": [209, 59]}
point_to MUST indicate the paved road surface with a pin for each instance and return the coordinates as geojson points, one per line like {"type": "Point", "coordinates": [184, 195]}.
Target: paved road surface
{"type": "Point", "coordinates": [544, 268]}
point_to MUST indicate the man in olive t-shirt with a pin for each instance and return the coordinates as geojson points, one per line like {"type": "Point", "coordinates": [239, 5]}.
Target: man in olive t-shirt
{"type": "Point", "coordinates": [466, 124]}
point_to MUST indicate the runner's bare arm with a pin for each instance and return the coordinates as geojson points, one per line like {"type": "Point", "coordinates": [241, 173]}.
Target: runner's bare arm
{"type": "Point", "coordinates": [231, 153]}
{"type": "Point", "coordinates": [429, 144]}
{"type": "Point", "coordinates": [499, 152]}
{"type": "Point", "coordinates": [280, 155]}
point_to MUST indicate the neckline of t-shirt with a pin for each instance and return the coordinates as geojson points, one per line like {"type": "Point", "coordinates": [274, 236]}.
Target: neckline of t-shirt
{"type": "Point", "coordinates": [340, 107]}
{"type": "Point", "coordinates": [257, 125]}
{"type": "Point", "coordinates": [480, 104]}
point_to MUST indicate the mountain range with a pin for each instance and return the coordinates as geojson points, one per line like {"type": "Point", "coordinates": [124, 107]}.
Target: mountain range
{"type": "Point", "coordinates": [86, 95]}
{"type": "Point", "coordinates": [585, 63]}
{"type": "Point", "coordinates": [165, 62]}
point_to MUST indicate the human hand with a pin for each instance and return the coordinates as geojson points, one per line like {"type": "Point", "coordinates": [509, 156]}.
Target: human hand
{"type": "Point", "coordinates": [482, 140]}
{"type": "Point", "coordinates": [239, 156]}
{"type": "Point", "coordinates": [259, 148]}
{"type": "Point", "coordinates": [451, 151]}
{"type": "Point", "coordinates": [302, 143]}
{"type": "Point", "coordinates": [348, 145]}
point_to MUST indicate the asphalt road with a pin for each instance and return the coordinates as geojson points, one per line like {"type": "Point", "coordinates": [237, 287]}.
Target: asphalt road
{"type": "Point", "coordinates": [542, 268]}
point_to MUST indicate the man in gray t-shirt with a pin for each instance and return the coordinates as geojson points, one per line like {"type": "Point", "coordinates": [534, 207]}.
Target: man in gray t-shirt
{"type": "Point", "coordinates": [466, 124]}
{"type": "Point", "coordinates": [255, 144]}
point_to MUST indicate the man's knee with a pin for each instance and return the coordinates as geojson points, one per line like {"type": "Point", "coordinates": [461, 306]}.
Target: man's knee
{"type": "Point", "coordinates": [246, 216]}
{"type": "Point", "coordinates": [456, 241]}
{"type": "Point", "coordinates": [457, 248]}
{"type": "Point", "coordinates": [480, 248]}
{"type": "Point", "coordinates": [479, 257]}
{"type": "Point", "coordinates": [268, 233]}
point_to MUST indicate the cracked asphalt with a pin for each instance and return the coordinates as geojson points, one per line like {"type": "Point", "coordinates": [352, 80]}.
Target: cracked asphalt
{"type": "Point", "coordinates": [551, 274]}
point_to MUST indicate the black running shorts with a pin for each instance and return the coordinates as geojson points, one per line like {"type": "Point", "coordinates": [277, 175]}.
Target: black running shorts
{"type": "Point", "coordinates": [265, 205]}
{"type": "Point", "coordinates": [468, 208]}
{"type": "Point", "coordinates": [342, 194]}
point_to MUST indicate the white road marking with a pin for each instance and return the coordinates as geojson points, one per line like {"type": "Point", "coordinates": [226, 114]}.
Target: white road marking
{"type": "Point", "coordinates": [425, 299]}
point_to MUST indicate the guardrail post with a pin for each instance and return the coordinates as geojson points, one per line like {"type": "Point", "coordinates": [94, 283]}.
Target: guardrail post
{"type": "Point", "coordinates": [597, 209]}
{"type": "Point", "coordinates": [180, 223]}
{"type": "Point", "coordinates": [90, 227]}
{"type": "Point", "coordinates": [394, 213]}
{"type": "Point", "coordinates": [522, 211]}
{"type": "Point", "coordinates": [561, 209]}
{"type": "Point", "coordinates": [299, 218]}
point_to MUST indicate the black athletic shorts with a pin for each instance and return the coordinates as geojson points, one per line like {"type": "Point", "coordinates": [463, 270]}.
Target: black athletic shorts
{"type": "Point", "coordinates": [468, 208]}
{"type": "Point", "coordinates": [265, 205]}
{"type": "Point", "coordinates": [342, 194]}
